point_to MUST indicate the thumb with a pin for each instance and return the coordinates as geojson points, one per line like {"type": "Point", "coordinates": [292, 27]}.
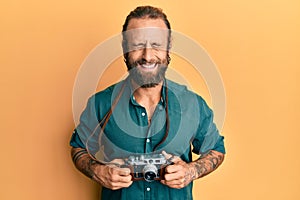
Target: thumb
{"type": "Point", "coordinates": [116, 162]}
{"type": "Point", "coordinates": [170, 157]}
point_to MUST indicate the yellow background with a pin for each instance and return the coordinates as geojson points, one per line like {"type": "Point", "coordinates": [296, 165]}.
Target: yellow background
{"type": "Point", "coordinates": [255, 45]}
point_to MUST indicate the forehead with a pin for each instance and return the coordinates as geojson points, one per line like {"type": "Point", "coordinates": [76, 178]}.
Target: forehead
{"type": "Point", "coordinates": [136, 23]}
{"type": "Point", "coordinates": [147, 29]}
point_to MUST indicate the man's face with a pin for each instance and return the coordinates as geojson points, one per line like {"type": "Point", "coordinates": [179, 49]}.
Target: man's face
{"type": "Point", "coordinates": [147, 41]}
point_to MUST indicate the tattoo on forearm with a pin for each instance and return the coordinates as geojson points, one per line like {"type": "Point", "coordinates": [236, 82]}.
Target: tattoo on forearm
{"type": "Point", "coordinates": [86, 167]}
{"type": "Point", "coordinates": [78, 155]}
{"type": "Point", "coordinates": [207, 163]}
{"type": "Point", "coordinates": [83, 161]}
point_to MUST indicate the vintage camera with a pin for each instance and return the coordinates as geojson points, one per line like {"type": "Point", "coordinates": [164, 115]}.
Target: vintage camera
{"type": "Point", "coordinates": [148, 167]}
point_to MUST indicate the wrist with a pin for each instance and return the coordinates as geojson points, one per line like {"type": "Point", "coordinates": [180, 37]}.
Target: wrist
{"type": "Point", "coordinates": [193, 171]}
{"type": "Point", "coordinates": [94, 168]}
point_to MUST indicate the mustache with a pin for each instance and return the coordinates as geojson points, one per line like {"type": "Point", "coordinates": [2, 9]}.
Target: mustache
{"type": "Point", "coordinates": [143, 61]}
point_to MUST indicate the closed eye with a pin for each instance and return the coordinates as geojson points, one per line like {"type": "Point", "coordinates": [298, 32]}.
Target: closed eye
{"type": "Point", "coordinates": [155, 45]}
{"type": "Point", "coordinates": [139, 45]}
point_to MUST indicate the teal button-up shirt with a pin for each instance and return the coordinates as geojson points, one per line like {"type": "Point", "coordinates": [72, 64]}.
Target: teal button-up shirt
{"type": "Point", "coordinates": [127, 132]}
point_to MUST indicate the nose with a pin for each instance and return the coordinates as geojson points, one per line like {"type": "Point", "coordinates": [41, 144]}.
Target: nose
{"type": "Point", "coordinates": [148, 53]}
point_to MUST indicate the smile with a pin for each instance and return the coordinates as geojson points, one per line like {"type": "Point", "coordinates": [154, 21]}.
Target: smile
{"type": "Point", "coordinates": [148, 66]}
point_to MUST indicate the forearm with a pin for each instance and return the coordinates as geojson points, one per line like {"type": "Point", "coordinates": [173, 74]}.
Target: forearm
{"type": "Point", "coordinates": [206, 164]}
{"type": "Point", "coordinates": [83, 161]}
{"type": "Point", "coordinates": [109, 176]}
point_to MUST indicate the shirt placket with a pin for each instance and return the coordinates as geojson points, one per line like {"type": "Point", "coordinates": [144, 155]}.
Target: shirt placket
{"type": "Point", "coordinates": [147, 190]}
{"type": "Point", "coordinates": [143, 118]}
{"type": "Point", "coordinates": [148, 142]}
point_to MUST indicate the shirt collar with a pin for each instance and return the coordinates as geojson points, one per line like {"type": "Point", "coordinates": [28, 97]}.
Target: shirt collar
{"type": "Point", "coordinates": [162, 98]}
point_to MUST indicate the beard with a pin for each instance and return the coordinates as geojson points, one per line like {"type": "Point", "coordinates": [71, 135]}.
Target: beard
{"type": "Point", "coordinates": [146, 79]}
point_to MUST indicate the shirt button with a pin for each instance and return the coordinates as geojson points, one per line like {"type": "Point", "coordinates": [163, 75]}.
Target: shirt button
{"type": "Point", "coordinates": [148, 189]}
{"type": "Point", "coordinates": [148, 140]}
{"type": "Point", "coordinates": [160, 107]}
{"type": "Point", "coordinates": [143, 114]}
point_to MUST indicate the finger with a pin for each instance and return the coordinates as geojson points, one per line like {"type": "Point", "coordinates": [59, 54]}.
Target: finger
{"type": "Point", "coordinates": [117, 162]}
{"type": "Point", "coordinates": [174, 184]}
{"type": "Point", "coordinates": [119, 185]}
{"type": "Point", "coordinates": [120, 174]}
{"type": "Point", "coordinates": [174, 176]}
{"type": "Point", "coordinates": [113, 170]}
{"type": "Point", "coordinates": [163, 182]}
{"type": "Point", "coordinates": [166, 155]}
{"type": "Point", "coordinates": [121, 179]}
{"type": "Point", "coordinates": [171, 157]}
{"type": "Point", "coordinates": [173, 168]}
{"type": "Point", "coordinates": [123, 171]}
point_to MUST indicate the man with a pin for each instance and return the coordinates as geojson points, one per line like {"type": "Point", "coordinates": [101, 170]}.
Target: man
{"type": "Point", "coordinates": [146, 114]}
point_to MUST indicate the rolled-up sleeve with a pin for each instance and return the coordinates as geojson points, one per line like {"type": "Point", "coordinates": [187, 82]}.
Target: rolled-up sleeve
{"type": "Point", "coordinates": [87, 125]}
{"type": "Point", "coordinates": [207, 136]}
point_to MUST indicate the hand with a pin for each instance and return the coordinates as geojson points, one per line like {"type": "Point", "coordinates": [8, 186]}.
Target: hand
{"type": "Point", "coordinates": [111, 176]}
{"type": "Point", "coordinates": [177, 175]}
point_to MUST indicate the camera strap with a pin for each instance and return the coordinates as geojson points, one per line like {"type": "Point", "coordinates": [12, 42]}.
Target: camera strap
{"type": "Point", "coordinates": [102, 124]}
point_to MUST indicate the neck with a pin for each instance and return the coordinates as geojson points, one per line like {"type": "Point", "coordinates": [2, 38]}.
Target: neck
{"type": "Point", "coordinates": [149, 95]}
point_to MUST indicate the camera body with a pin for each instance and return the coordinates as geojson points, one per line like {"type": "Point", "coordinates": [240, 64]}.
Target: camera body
{"type": "Point", "coordinates": [147, 167]}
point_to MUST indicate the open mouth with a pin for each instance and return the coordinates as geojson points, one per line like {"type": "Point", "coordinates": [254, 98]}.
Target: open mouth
{"type": "Point", "coordinates": [148, 66]}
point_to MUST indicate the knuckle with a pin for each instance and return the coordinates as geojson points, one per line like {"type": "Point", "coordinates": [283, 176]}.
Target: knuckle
{"type": "Point", "coordinates": [167, 169]}
{"type": "Point", "coordinates": [174, 186]}
{"type": "Point", "coordinates": [128, 179]}
{"type": "Point", "coordinates": [113, 184]}
{"type": "Point", "coordinates": [111, 178]}
{"type": "Point", "coordinates": [180, 175]}
{"type": "Point", "coordinates": [180, 167]}
{"type": "Point", "coordinates": [128, 184]}
{"type": "Point", "coordinates": [109, 170]}
{"type": "Point", "coordinates": [113, 170]}
{"type": "Point", "coordinates": [114, 177]}
{"type": "Point", "coordinates": [115, 188]}
{"type": "Point", "coordinates": [167, 177]}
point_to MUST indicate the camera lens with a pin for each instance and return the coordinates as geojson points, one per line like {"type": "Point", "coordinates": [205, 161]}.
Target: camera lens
{"type": "Point", "coordinates": [150, 172]}
{"type": "Point", "coordinates": [149, 176]}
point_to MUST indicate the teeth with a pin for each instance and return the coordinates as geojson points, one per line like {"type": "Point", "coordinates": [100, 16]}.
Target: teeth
{"type": "Point", "coordinates": [149, 66]}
